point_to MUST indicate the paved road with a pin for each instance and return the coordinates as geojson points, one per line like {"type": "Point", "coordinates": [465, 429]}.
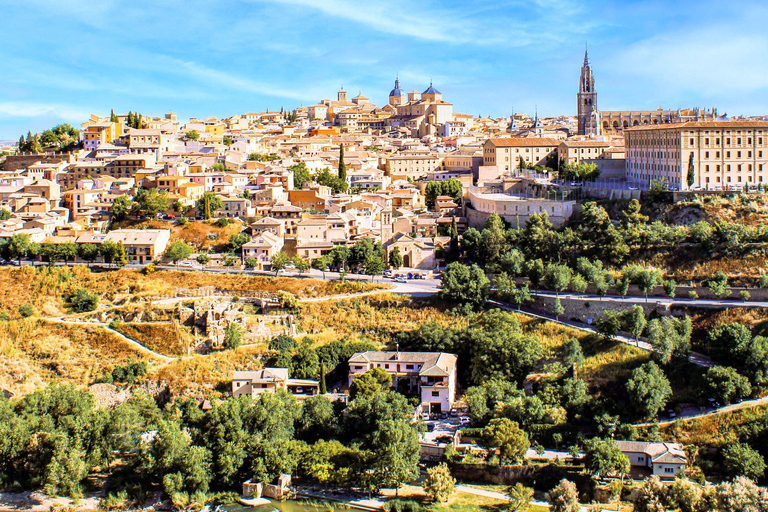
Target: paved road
{"type": "Point", "coordinates": [696, 413]}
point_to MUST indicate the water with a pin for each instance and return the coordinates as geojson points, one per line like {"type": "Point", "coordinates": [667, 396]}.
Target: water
{"type": "Point", "coordinates": [289, 506]}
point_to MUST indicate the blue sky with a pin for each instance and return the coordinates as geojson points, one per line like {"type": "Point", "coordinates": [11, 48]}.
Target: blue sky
{"type": "Point", "coordinates": [61, 60]}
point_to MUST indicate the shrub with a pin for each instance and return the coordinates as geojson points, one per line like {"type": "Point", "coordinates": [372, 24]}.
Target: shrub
{"type": "Point", "coordinates": [251, 262]}
{"type": "Point", "coordinates": [150, 268]}
{"type": "Point", "coordinates": [744, 295]}
{"type": "Point", "coordinates": [83, 301]}
{"type": "Point", "coordinates": [183, 221]}
{"type": "Point", "coordinates": [26, 310]}
{"type": "Point", "coordinates": [693, 295]}
{"type": "Point", "coordinates": [129, 373]}
{"type": "Point", "coordinates": [222, 222]}
{"type": "Point", "coordinates": [233, 336]}
{"type": "Point", "coordinates": [203, 259]}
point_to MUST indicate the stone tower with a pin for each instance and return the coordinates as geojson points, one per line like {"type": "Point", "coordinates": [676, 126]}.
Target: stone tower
{"type": "Point", "coordinates": [589, 119]}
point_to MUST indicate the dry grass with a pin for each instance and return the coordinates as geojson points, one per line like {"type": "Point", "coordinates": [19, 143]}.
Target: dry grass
{"type": "Point", "coordinates": [209, 375]}
{"type": "Point", "coordinates": [248, 283]}
{"type": "Point", "coordinates": [47, 288]}
{"type": "Point", "coordinates": [46, 351]}
{"type": "Point", "coordinates": [716, 430]}
{"type": "Point", "coordinates": [374, 317]}
{"type": "Point", "coordinates": [193, 233]}
{"type": "Point", "coordinates": [164, 338]}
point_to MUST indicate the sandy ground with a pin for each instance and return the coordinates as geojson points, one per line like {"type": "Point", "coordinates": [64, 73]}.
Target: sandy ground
{"type": "Point", "coordinates": [39, 502]}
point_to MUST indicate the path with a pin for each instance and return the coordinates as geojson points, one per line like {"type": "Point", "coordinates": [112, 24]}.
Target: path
{"type": "Point", "coordinates": [712, 412]}
{"type": "Point", "coordinates": [120, 335]}
{"type": "Point", "coordinates": [501, 496]}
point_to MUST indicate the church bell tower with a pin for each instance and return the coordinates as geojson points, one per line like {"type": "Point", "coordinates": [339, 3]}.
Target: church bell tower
{"type": "Point", "coordinates": [589, 119]}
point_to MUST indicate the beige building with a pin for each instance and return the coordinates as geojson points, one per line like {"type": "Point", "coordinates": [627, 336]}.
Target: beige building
{"type": "Point", "coordinates": [430, 374]}
{"type": "Point", "coordinates": [141, 245]}
{"type": "Point", "coordinates": [262, 247]}
{"type": "Point", "coordinates": [270, 380]}
{"type": "Point", "coordinates": [412, 166]}
{"type": "Point", "coordinates": [726, 154]}
{"type": "Point", "coordinates": [505, 153]}
{"type": "Point", "coordinates": [513, 208]}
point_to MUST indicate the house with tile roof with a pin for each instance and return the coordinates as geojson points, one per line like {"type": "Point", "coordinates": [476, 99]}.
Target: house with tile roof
{"type": "Point", "coordinates": [664, 460]}
{"type": "Point", "coordinates": [431, 375]}
{"type": "Point", "coordinates": [270, 380]}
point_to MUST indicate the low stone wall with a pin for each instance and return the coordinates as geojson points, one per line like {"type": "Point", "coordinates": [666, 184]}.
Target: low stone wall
{"type": "Point", "coordinates": [589, 311]}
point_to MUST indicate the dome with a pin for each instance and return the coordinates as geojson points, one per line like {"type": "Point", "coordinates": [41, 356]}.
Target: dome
{"type": "Point", "coordinates": [396, 91]}
{"type": "Point", "coordinates": [431, 90]}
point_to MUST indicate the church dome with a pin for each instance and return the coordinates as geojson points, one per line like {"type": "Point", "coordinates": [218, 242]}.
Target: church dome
{"type": "Point", "coordinates": [397, 91]}
{"type": "Point", "coordinates": [431, 90]}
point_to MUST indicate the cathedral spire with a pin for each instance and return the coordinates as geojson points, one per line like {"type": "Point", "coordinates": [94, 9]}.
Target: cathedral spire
{"type": "Point", "coordinates": [586, 55]}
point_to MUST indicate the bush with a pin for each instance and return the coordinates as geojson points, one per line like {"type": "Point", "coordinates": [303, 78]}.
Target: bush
{"type": "Point", "coordinates": [150, 268]}
{"type": "Point", "coordinates": [251, 262]}
{"type": "Point", "coordinates": [693, 295]}
{"type": "Point", "coordinates": [222, 222]}
{"type": "Point", "coordinates": [744, 295]}
{"type": "Point", "coordinates": [83, 301]}
{"type": "Point", "coordinates": [26, 310]}
{"type": "Point", "coordinates": [183, 221]}
{"type": "Point", "coordinates": [129, 373]}
{"type": "Point", "coordinates": [401, 505]}
{"type": "Point", "coordinates": [233, 336]}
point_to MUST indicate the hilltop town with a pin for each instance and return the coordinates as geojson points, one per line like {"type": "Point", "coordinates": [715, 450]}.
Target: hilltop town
{"type": "Point", "coordinates": [396, 307]}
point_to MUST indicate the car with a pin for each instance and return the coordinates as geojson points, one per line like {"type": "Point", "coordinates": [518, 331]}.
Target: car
{"type": "Point", "coordinates": [430, 427]}
{"type": "Point", "coordinates": [425, 416]}
{"type": "Point", "coordinates": [434, 416]}
{"type": "Point", "coordinates": [400, 279]}
{"type": "Point", "coordinates": [290, 265]}
{"type": "Point", "coordinates": [444, 439]}
{"type": "Point", "coordinates": [714, 404]}
{"type": "Point", "coordinates": [671, 413]}
{"type": "Point", "coordinates": [464, 421]}
{"type": "Point", "coordinates": [444, 415]}
{"type": "Point", "coordinates": [186, 264]}
{"type": "Point", "coordinates": [424, 275]}
{"type": "Point", "coordinates": [410, 275]}
{"type": "Point", "coordinates": [417, 276]}
{"type": "Point", "coordinates": [387, 273]}
{"type": "Point", "coordinates": [453, 412]}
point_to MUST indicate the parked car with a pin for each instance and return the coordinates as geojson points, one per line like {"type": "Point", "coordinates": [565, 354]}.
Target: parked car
{"type": "Point", "coordinates": [714, 404]}
{"type": "Point", "coordinates": [400, 279]}
{"type": "Point", "coordinates": [671, 413]}
{"type": "Point", "coordinates": [410, 275]}
{"type": "Point", "coordinates": [464, 421]}
{"type": "Point", "coordinates": [387, 273]}
{"type": "Point", "coordinates": [430, 427]}
{"type": "Point", "coordinates": [444, 439]}
{"type": "Point", "coordinates": [417, 276]}
{"type": "Point", "coordinates": [425, 416]}
{"type": "Point", "coordinates": [453, 412]}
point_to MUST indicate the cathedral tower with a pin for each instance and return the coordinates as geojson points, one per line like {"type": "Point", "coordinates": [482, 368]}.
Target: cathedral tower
{"type": "Point", "coordinates": [589, 119]}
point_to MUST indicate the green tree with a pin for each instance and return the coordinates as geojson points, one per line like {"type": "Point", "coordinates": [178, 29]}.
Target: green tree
{"type": "Point", "coordinates": [370, 383]}
{"type": "Point", "coordinates": [120, 207]}
{"type": "Point", "coordinates": [322, 263]}
{"type": "Point", "coordinates": [208, 204]}
{"type": "Point", "coordinates": [557, 277]}
{"type": "Point", "coordinates": [150, 202]}
{"type": "Point", "coordinates": [648, 389]}
{"type": "Point", "coordinates": [439, 485]}
{"type": "Point", "coordinates": [725, 384]}
{"type": "Point", "coordinates": [227, 140]}
{"type": "Point", "coordinates": [718, 285]}
{"type": "Point", "coordinates": [89, 252]}
{"type": "Point", "coordinates": [203, 259]}
{"type": "Point", "coordinates": [461, 283]}
{"type": "Point", "coordinates": [342, 166]}
{"type": "Point", "coordinates": [233, 335]}
{"type": "Point", "coordinates": [670, 338]}
{"type": "Point", "coordinates": [669, 287]}
{"type": "Point", "coordinates": [19, 246]}
{"type": "Point", "coordinates": [520, 497]}
{"type": "Point", "coordinates": [564, 497]}
{"type": "Point", "coordinates": [300, 263]}
{"type": "Point", "coordinates": [251, 262]}
{"type": "Point", "coordinates": [300, 175]}
{"type": "Point", "coordinates": [395, 259]}
{"type": "Point", "coordinates": [192, 135]}
{"type": "Point", "coordinates": [237, 241]}
{"type": "Point", "coordinates": [691, 176]}
{"type": "Point", "coordinates": [602, 457]}
{"type": "Point", "coordinates": [83, 301]}
{"type": "Point", "coordinates": [178, 250]}
{"type": "Point", "coordinates": [740, 459]}
{"type": "Point", "coordinates": [635, 321]}
{"type": "Point", "coordinates": [509, 438]}
{"type": "Point", "coordinates": [373, 265]}
{"type": "Point", "coordinates": [26, 310]}
{"type": "Point", "coordinates": [279, 261]}
{"type": "Point", "coordinates": [557, 308]}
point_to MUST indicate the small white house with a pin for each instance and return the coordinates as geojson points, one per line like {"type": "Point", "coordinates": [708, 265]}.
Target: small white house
{"type": "Point", "coordinates": [664, 460]}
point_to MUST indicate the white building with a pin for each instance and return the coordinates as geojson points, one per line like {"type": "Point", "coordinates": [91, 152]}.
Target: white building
{"type": "Point", "coordinates": [269, 380]}
{"type": "Point", "coordinates": [430, 374]}
{"type": "Point", "coordinates": [664, 460]}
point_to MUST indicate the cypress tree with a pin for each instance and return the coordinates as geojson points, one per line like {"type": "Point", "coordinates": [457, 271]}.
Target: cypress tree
{"type": "Point", "coordinates": [129, 121]}
{"type": "Point", "coordinates": [112, 116]}
{"type": "Point", "coordinates": [323, 388]}
{"type": "Point", "coordinates": [453, 248]}
{"type": "Point", "coordinates": [21, 143]}
{"type": "Point", "coordinates": [690, 177]}
{"type": "Point", "coordinates": [342, 165]}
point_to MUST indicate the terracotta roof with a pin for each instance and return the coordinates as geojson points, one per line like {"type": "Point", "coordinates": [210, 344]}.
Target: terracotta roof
{"type": "Point", "coordinates": [523, 142]}
{"type": "Point", "coordinates": [700, 124]}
